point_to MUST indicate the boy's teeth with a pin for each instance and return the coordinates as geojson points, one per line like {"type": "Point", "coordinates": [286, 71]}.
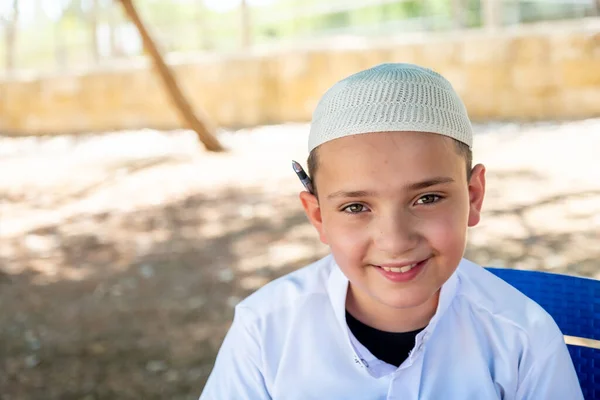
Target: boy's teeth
{"type": "Point", "coordinates": [406, 268]}
{"type": "Point", "coordinates": [399, 269]}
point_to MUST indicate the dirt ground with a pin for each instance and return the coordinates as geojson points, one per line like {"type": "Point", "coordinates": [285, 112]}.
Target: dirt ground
{"type": "Point", "coordinates": [122, 255]}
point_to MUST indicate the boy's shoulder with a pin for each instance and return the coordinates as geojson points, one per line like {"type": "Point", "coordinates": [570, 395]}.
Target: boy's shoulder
{"type": "Point", "coordinates": [486, 296]}
{"type": "Point", "coordinates": [491, 297]}
{"type": "Point", "coordinates": [292, 289]}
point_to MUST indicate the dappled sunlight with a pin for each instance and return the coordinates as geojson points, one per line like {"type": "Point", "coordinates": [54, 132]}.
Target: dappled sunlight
{"type": "Point", "coordinates": [161, 196]}
{"type": "Point", "coordinates": [542, 212]}
{"type": "Point", "coordinates": [542, 206]}
{"type": "Point", "coordinates": [136, 263]}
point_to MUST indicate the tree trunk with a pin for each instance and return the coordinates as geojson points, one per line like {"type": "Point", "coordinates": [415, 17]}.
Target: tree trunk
{"type": "Point", "coordinates": [458, 14]}
{"type": "Point", "coordinates": [246, 29]}
{"type": "Point", "coordinates": [201, 127]}
{"type": "Point", "coordinates": [112, 33]}
{"type": "Point", "coordinates": [492, 14]}
{"type": "Point", "coordinates": [424, 15]}
{"type": "Point", "coordinates": [203, 29]}
{"type": "Point", "coordinates": [93, 19]}
{"type": "Point", "coordinates": [11, 38]}
{"type": "Point", "coordinates": [61, 52]}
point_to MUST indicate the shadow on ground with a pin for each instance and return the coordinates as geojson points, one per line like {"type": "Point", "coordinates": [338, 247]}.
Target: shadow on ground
{"type": "Point", "coordinates": [555, 232]}
{"type": "Point", "coordinates": [135, 305]}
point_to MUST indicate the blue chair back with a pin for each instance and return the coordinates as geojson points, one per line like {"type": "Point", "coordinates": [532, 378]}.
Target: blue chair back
{"type": "Point", "coordinates": [574, 303]}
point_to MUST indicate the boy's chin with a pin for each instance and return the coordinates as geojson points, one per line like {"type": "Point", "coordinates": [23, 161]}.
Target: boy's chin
{"type": "Point", "coordinates": [407, 300]}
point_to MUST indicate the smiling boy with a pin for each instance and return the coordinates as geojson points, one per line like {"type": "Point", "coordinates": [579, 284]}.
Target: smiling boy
{"type": "Point", "coordinates": [394, 312]}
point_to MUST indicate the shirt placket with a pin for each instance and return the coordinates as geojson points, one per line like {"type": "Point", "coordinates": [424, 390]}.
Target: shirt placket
{"type": "Point", "coordinates": [405, 381]}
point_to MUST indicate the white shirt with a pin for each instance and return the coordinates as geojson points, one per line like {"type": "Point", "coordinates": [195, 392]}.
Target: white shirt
{"type": "Point", "coordinates": [290, 341]}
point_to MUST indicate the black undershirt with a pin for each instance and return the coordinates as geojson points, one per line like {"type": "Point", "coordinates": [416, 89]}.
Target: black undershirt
{"type": "Point", "coordinates": [391, 347]}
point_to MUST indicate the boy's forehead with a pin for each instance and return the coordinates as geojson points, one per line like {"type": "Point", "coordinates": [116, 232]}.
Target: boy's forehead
{"type": "Point", "coordinates": [389, 155]}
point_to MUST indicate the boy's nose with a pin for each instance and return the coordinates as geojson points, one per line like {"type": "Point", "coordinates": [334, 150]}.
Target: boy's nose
{"type": "Point", "coordinates": [395, 235]}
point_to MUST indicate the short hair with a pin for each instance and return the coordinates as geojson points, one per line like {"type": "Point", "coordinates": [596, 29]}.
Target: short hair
{"type": "Point", "coordinates": [461, 148]}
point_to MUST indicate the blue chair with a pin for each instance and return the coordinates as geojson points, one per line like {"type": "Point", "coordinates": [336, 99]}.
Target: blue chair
{"type": "Point", "coordinates": [574, 303]}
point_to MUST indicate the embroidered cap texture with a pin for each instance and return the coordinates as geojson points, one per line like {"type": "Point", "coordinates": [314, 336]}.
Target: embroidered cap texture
{"type": "Point", "coordinates": [390, 97]}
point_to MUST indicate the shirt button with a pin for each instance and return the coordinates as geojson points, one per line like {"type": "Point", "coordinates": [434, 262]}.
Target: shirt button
{"type": "Point", "coordinates": [361, 362]}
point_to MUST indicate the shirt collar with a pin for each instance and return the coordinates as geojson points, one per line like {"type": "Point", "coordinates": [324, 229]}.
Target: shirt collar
{"type": "Point", "coordinates": [337, 288]}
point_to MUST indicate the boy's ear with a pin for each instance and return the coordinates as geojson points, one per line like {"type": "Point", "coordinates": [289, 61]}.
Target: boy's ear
{"type": "Point", "coordinates": [310, 203]}
{"type": "Point", "coordinates": [476, 193]}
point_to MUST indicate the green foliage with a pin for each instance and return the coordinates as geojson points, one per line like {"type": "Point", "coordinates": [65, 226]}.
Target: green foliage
{"type": "Point", "coordinates": [188, 25]}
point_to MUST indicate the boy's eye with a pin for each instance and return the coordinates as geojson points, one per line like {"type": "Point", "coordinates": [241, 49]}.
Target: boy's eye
{"type": "Point", "coordinates": [354, 208]}
{"type": "Point", "coordinates": [429, 199]}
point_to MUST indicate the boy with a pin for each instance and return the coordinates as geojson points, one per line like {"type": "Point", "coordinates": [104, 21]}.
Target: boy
{"type": "Point", "coordinates": [394, 312]}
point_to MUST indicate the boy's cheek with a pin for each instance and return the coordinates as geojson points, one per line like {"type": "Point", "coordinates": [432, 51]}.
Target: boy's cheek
{"type": "Point", "coordinates": [341, 238]}
{"type": "Point", "coordinates": [448, 234]}
{"type": "Point", "coordinates": [347, 240]}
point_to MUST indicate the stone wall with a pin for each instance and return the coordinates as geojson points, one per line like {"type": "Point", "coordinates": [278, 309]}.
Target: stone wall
{"type": "Point", "coordinates": [525, 74]}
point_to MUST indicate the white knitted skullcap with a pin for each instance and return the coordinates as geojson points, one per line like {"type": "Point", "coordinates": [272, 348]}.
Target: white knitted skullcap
{"type": "Point", "coordinates": [390, 97]}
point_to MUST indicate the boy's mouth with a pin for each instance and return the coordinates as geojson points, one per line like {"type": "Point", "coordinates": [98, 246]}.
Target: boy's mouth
{"type": "Point", "coordinates": [400, 272]}
{"type": "Point", "coordinates": [403, 269]}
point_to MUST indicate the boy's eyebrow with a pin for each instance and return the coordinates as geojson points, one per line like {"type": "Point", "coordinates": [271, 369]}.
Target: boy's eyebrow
{"type": "Point", "coordinates": [413, 186]}
{"type": "Point", "coordinates": [438, 180]}
{"type": "Point", "coordinates": [354, 193]}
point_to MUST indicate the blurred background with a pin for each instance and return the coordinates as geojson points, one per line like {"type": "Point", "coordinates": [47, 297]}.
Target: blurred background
{"type": "Point", "coordinates": [145, 150]}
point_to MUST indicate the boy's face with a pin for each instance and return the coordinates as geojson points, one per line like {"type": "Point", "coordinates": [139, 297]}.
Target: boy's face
{"type": "Point", "coordinates": [388, 201]}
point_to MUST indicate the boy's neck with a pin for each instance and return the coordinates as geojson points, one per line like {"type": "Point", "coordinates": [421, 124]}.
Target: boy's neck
{"type": "Point", "coordinates": [385, 318]}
